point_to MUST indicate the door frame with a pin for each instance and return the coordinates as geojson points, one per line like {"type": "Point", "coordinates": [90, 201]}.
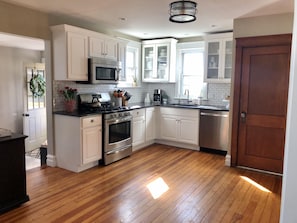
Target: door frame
{"type": "Point", "coordinates": [241, 43]}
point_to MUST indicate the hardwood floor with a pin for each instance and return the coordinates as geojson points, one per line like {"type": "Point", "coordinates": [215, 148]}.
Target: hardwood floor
{"type": "Point", "coordinates": [201, 189]}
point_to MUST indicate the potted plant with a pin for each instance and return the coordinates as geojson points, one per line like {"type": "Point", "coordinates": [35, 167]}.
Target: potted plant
{"type": "Point", "coordinates": [69, 98]}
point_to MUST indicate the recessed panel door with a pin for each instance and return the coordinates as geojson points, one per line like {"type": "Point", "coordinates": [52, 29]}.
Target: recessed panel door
{"type": "Point", "coordinates": [263, 107]}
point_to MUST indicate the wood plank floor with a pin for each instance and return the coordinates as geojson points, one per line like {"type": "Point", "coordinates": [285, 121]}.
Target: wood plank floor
{"type": "Point", "coordinates": [201, 189]}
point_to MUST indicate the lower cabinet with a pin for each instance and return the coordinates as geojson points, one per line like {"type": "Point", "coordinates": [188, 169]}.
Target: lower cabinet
{"type": "Point", "coordinates": [78, 141]}
{"type": "Point", "coordinates": [179, 125]}
{"type": "Point", "coordinates": [138, 129]}
{"type": "Point", "coordinates": [91, 143]}
{"type": "Point", "coordinates": [150, 124]}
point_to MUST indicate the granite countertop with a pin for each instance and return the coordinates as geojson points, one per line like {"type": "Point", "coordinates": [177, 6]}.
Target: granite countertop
{"type": "Point", "coordinates": [140, 105]}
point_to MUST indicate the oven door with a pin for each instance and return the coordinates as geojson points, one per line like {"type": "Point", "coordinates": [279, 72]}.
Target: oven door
{"type": "Point", "coordinates": [117, 133]}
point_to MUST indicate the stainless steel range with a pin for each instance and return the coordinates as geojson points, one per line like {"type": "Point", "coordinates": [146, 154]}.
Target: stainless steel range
{"type": "Point", "coordinates": [117, 125]}
{"type": "Point", "coordinates": [117, 136]}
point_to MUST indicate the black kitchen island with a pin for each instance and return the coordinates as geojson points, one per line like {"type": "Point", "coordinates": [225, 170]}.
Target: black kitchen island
{"type": "Point", "coordinates": [13, 189]}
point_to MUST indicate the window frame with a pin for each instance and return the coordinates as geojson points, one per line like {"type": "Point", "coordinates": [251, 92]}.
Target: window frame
{"type": "Point", "coordinates": [197, 46]}
{"type": "Point", "coordinates": [135, 47]}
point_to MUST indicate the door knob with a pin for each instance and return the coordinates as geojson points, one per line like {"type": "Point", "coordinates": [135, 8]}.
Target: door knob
{"type": "Point", "coordinates": [26, 115]}
{"type": "Point", "coordinates": [243, 115]}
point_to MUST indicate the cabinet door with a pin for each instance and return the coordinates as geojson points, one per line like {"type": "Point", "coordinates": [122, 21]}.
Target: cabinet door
{"type": "Point", "coordinates": [189, 131]}
{"type": "Point", "coordinates": [150, 126]}
{"type": "Point", "coordinates": [138, 131]}
{"type": "Point", "coordinates": [168, 127]}
{"type": "Point", "coordinates": [162, 61]}
{"type": "Point", "coordinates": [77, 54]}
{"type": "Point", "coordinates": [227, 46]}
{"type": "Point", "coordinates": [92, 144]}
{"type": "Point", "coordinates": [122, 49]}
{"type": "Point", "coordinates": [213, 60]}
{"type": "Point", "coordinates": [111, 49]}
{"type": "Point", "coordinates": [148, 62]}
{"type": "Point", "coordinates": [96, 47]}
{"type": "Point", "coordinates": [219, 61]}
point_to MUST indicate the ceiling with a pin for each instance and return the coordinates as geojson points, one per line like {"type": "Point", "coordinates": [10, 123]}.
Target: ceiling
{"type": "Point", "coordinates": [145, 19]}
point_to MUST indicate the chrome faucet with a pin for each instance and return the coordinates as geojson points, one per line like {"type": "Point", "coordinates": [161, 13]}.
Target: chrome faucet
{"type": "Point", "coordinates": [187, 92]}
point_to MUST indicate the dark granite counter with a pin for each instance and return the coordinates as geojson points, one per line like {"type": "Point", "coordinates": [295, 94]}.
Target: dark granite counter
{"type": "Point", "coordinates": [133, 106]}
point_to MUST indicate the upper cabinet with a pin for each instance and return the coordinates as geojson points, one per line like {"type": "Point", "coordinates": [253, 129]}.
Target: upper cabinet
{"type": "Point", "coordinates": [102, 46]}
{"type": "Point", "coordinates": [70, 48]}
{"type": "Point", "coordinates": [218, 61]}
{"type": "Point", "coordinates": [122, 50]}
{"type": "Point", "coordinates": [159, 60]}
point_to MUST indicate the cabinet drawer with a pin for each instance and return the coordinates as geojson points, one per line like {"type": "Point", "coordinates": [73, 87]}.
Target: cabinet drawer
{"type": "Point", "coordinates": [138, 113]}
{"type": "Point", "coordinates": [91, 121]}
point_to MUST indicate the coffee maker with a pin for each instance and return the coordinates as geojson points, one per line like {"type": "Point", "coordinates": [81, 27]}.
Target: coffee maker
{"type": "Point", "coordinates": [157, 96]}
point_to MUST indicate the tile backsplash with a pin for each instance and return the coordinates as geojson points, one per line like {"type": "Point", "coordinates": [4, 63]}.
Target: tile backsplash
{"type": "Point", "coordinates": [216, 92]}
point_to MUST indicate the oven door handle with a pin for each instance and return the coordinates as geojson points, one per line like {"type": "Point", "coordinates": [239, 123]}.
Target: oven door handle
{"type": "Point", "coordinates": [118, 120]}
{"type": "Point", "coordinates": [117, 151]}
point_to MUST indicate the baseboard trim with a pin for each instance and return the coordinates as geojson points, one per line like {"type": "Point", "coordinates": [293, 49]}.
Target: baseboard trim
{"type": "Point", "coordinates": [51, 160]}
{"type": "Point", "coordinates": [228, 160]}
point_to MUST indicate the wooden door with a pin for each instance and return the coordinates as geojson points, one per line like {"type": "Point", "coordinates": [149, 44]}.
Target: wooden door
{"type": "Point", "coordinates": [262, 104]}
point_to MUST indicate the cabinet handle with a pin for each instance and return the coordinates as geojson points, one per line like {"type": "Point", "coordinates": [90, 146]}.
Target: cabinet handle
{"type": "Point", "coordinates": [92, 120]}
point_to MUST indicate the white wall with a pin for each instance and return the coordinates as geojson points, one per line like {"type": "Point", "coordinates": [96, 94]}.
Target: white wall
{"type": "Point", "coordinates": [12, 83]}
{"type": "Point", "coordinates": [263, 25]}
{"type": "Point", "coordinates": [289, 194]}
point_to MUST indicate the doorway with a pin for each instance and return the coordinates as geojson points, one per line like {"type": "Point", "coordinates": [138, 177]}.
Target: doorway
{"type": "Point", "coordinates": [260, 102]}
{"type": "Point", "coordinates": [18, 57]}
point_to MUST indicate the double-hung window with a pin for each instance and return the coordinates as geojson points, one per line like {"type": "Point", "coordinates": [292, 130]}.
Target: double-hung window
{"type": "Point", "coordinates": [190, 70]}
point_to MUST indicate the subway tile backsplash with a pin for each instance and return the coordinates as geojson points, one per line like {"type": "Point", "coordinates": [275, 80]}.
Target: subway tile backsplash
{"type": "Point", "coordinates": [216, 92]}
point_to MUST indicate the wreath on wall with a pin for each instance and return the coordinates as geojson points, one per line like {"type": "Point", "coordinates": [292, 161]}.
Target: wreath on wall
{"type": "Point", "coordinates": [37, 85]}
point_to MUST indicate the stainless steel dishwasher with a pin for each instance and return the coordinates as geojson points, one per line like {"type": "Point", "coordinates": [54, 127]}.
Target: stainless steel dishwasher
{"type": "Point", "coordinates": [214, 129]}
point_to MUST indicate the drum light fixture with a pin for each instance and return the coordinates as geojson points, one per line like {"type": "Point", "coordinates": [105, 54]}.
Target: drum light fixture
{"type": "Point", "coordinates": [182, 11]}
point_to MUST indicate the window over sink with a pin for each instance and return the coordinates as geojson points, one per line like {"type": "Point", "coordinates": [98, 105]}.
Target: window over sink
{"type": "Point", "coordinates": [190, 70]}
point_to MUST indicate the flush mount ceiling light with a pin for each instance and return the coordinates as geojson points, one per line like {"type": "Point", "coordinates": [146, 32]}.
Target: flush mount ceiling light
{"type": "Point", "coordinates": [182, 11]}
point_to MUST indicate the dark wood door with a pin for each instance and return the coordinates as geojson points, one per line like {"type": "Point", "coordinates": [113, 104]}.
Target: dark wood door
{"type": "Point", "coordinates": [262, 106]}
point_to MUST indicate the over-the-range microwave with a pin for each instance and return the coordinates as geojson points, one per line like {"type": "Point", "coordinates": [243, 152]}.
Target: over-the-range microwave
{"type": "Point", "coordinates": [103, 70]}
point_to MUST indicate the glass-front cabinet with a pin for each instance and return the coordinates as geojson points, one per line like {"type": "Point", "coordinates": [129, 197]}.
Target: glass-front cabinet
{"type": "Point", "coordinates": [219, 60]}
{"type": "Point", "coordinates": [158, 60]}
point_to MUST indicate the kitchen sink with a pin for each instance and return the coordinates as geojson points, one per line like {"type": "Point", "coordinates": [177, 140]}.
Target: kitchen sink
{"type": "Point", "coordinates": [185, 105]}
{"type": "Point", "coordinates": [209, 107]}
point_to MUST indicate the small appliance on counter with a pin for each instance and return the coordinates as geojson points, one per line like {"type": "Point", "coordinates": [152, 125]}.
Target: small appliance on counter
{"type": "Point", "coordinates": [157, 96]}
{"type": "Point", "coordinates": [92, 102]}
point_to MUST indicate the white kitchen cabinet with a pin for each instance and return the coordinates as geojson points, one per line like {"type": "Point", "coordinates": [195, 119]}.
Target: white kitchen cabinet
{"type": "Point", "coordinates": [179, 124]}
{"type": "Point", "coordinates": [218, 61]}
{"type": "Point", "coordinates": [78, 141]}
{"type": "Point", "coordinates": [150, 124]}
{"type": "Point", "coordinates": [122, 50]}
{"type": "Point", "coordinates": [138, 129]}
{"type": "Point", "coordinates": [103, 46]}
{"type": "Point", "coordinates": [70, 53]}
{"type": "Point", "coordinates": [159, 60]}
{"type": "Point", "coordinates": [91, 139]}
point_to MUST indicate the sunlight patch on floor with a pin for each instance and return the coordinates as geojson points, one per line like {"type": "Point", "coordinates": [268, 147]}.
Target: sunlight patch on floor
{"type": "Point", "coordinates": [255, 184]}
{"type": "Point", "coordinates": [157, 187]}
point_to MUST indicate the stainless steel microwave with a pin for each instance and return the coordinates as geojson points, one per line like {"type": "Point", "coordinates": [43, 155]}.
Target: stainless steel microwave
{"type": "Point", "coordinates": [103, 71]}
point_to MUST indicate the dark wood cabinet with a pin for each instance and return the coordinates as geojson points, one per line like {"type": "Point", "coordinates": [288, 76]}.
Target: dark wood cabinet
{"type": "Point", "coordinates": [13, 189]}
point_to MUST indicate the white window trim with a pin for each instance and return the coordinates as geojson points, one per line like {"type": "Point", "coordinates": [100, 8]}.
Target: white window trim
{"type": "Point", "coordinates": [137, 46]}
{"type": "Point", "coordinates": [181, 47]}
